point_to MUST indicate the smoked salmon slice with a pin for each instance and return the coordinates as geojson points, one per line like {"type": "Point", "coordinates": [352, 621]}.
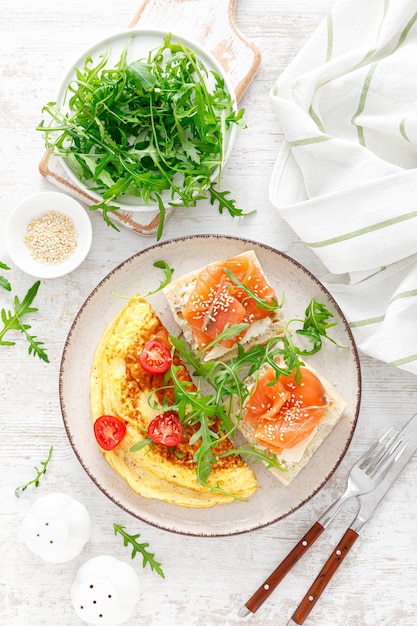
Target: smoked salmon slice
{"type": "Point", "coordinates": [216, 300]}
{"type": "Point", "coordinates": [283, 412]}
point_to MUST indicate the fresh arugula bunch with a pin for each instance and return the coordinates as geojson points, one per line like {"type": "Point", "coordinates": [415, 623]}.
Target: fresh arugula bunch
{"type": "Point", "coordinates": [209, 413]}
{"type": "Point", "coordinates": [12, 319]}
{"type": "Point", "coordinates": [144, 128]}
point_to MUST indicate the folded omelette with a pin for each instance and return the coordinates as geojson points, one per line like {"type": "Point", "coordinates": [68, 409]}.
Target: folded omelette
{"type": "Point", "coordinates": [120, 387]}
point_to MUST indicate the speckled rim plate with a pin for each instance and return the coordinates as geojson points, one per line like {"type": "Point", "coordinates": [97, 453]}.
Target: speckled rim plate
{"type": "Point", "coordinates": [272, 501]}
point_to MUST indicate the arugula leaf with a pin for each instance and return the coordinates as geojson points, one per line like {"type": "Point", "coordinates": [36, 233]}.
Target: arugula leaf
{"type": "Point", "coordinates": [315, 326]}
{"type": "Point", "coordinates": [228, 332]}
{"type": "Point", "coordinates": [142, 444]}
{"type": "Point", "coordinates": [162, 216]}
{"type": "Point", "coordinates": [202, 412]}
{"type": "Point", "coordinates": [141, 73]}
{"type": "Point", "coordinates": [268, 304]}
{"type": "Point", "coordinates": [39, 473]}
{"type": "Point", "coordinates": [3, 281]}
{"type": "Point", "coordinates": [148, 557]}
{"type": "Point", "coordinates": [191, 359]}
{"type": "Point", "coordinates": [225, 203]}
{"type": "Point", "coordinates": [12, 320]}
{"type": "Point", "coordinates": [144, 128]}
{"type": "Point", "coordinates": [256, 456]}
{"type": "Point", "coordinates": [168, 271]}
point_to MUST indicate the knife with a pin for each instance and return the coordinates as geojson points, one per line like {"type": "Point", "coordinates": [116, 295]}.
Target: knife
{"type": "Point", "coordinates": [368, 504]}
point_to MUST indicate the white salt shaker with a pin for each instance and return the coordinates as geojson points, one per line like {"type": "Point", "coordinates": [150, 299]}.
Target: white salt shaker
{"type": "Point", "coordinates": [105, 591]}
{"type": "Point", "coordinates": [56, 528]}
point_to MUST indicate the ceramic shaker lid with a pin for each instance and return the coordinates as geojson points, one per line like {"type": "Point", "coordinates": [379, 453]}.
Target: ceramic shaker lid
{"type": "Point", "coordinates": [105, 591]}
{"type": "Point", "coordinates": [56, 528]}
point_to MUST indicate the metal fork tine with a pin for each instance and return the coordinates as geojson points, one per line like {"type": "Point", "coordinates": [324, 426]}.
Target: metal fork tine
{"type": "Point", "coordinates": [384, 456]}
{"type": "Point", "coordinates": [391, 460]}
{"type": "Point", "coordinates": [378, 451]}
{"type": "Point", "coordinates": [367, 456]}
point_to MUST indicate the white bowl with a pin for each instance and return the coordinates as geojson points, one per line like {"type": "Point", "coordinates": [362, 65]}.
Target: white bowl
{"type": "Point", "coordinates": [141, 43]}
{"type": "Point", "coordinates": [34, 207]}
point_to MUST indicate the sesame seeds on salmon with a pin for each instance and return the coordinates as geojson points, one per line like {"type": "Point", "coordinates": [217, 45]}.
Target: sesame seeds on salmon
{"type": "Point", "coordinates": [217, 301]}
{"type": "Point", "coordinates": [284, 412]}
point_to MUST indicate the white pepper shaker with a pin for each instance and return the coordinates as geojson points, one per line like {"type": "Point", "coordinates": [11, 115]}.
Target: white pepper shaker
{"type": "Point", "coordinates": [57, 527]}
{"type": "Point", "coordinates": [105, 591]}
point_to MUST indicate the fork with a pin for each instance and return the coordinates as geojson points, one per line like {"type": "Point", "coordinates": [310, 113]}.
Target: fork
{"type": "Point", "coordinates": [367, 473]}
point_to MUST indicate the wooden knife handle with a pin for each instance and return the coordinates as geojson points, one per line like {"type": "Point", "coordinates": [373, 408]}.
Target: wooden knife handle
{"type": "Point", "coordinates": [324, 577]}
{"type": "Point", "coordinates": [284, 567]}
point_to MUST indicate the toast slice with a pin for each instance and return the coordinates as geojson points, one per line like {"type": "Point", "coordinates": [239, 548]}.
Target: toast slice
{"type": "Point", "coordinates": [294, 459]}
{"type": "Point", "coordinates": [204, 301]}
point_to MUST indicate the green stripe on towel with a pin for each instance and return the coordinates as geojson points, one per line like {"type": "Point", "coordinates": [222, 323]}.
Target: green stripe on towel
{"type": "Point", "coordinates": [367, 322]}
{"type": "Point", "coordinates": [403, 361]}
{"type": "Point", "coordinates": [329, 52]}
{"type": "Point", "coordinates": [316, 119]}
{"type": "Point", "coordinates": [362, 101]}
{"type": "Point", "coordinates": [411, 293]}
{"type": "Point", "coordinates": [309, 140]}
{"type": "Point", "coordinates": [405, 32]}
{"type": "Point", "coordinates": [363, 231]}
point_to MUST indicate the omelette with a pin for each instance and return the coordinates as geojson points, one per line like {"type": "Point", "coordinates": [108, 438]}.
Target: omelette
{"type": "Point", "coordinates": [120, 387]}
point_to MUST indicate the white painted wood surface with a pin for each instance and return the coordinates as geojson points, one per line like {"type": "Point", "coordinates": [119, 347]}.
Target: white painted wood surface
{"type": "Point", "coordinates": [207, 580]}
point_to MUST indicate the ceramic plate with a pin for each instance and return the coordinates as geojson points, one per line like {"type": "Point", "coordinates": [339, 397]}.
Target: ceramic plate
{"type": "Point", "coordinates": [141, 43]}
{"type": "Point", "coordinates": [272, 501]}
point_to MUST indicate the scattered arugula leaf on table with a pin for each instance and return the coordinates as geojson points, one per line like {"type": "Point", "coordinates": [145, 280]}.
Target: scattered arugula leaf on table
{"type": "Point", "coordinates": [225, 203]}
{"type": "Point", "coordinates": [12, 320]}
{"type": "Point", "coordinates": [148, 557]}
{"type": "Point", "coordinates": [3, 280]}
{"type": "Point", "coordinates": [37, 478]}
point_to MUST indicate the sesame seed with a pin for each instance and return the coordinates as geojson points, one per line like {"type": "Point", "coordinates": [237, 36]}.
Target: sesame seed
{"type": "Point", "coordinates": [51, 238]}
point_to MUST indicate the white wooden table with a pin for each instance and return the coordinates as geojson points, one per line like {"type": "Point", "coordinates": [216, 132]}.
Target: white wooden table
{"type": "Point", "coordinates": [207, 579]}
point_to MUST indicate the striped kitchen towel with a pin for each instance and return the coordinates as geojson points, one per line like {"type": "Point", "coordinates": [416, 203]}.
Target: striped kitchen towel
{"type": "Point", "coordinates": [345, 178]}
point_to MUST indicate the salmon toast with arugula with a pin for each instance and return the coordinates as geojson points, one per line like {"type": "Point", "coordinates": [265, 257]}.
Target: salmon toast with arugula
{"type": "Point", "coordinates": [229, 293]}
{"type": "Point", "coordinates": [289, 416]}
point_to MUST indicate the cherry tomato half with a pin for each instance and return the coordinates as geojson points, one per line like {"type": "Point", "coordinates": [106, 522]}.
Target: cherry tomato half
{"type": "Point", "coordinates": [166, 428]}
{"type": "Point", "coordinates": [109, 431]}
{"type": "Point", "coordinates": [155, 357]}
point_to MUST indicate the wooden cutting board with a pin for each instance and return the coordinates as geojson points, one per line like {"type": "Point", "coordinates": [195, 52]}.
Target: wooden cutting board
{"type": "Point", "coordinates": [212, 24]}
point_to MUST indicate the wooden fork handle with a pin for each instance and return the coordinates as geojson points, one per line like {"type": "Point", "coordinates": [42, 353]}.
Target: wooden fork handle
{"type": "Point", "coordinates": [284, 567]}
{"type": "Point", "coordinates": [324, 577]}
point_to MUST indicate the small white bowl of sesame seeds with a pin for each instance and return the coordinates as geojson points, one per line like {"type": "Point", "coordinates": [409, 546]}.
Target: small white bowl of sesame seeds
{"type": "Point", "coordinates": [48, 234]}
